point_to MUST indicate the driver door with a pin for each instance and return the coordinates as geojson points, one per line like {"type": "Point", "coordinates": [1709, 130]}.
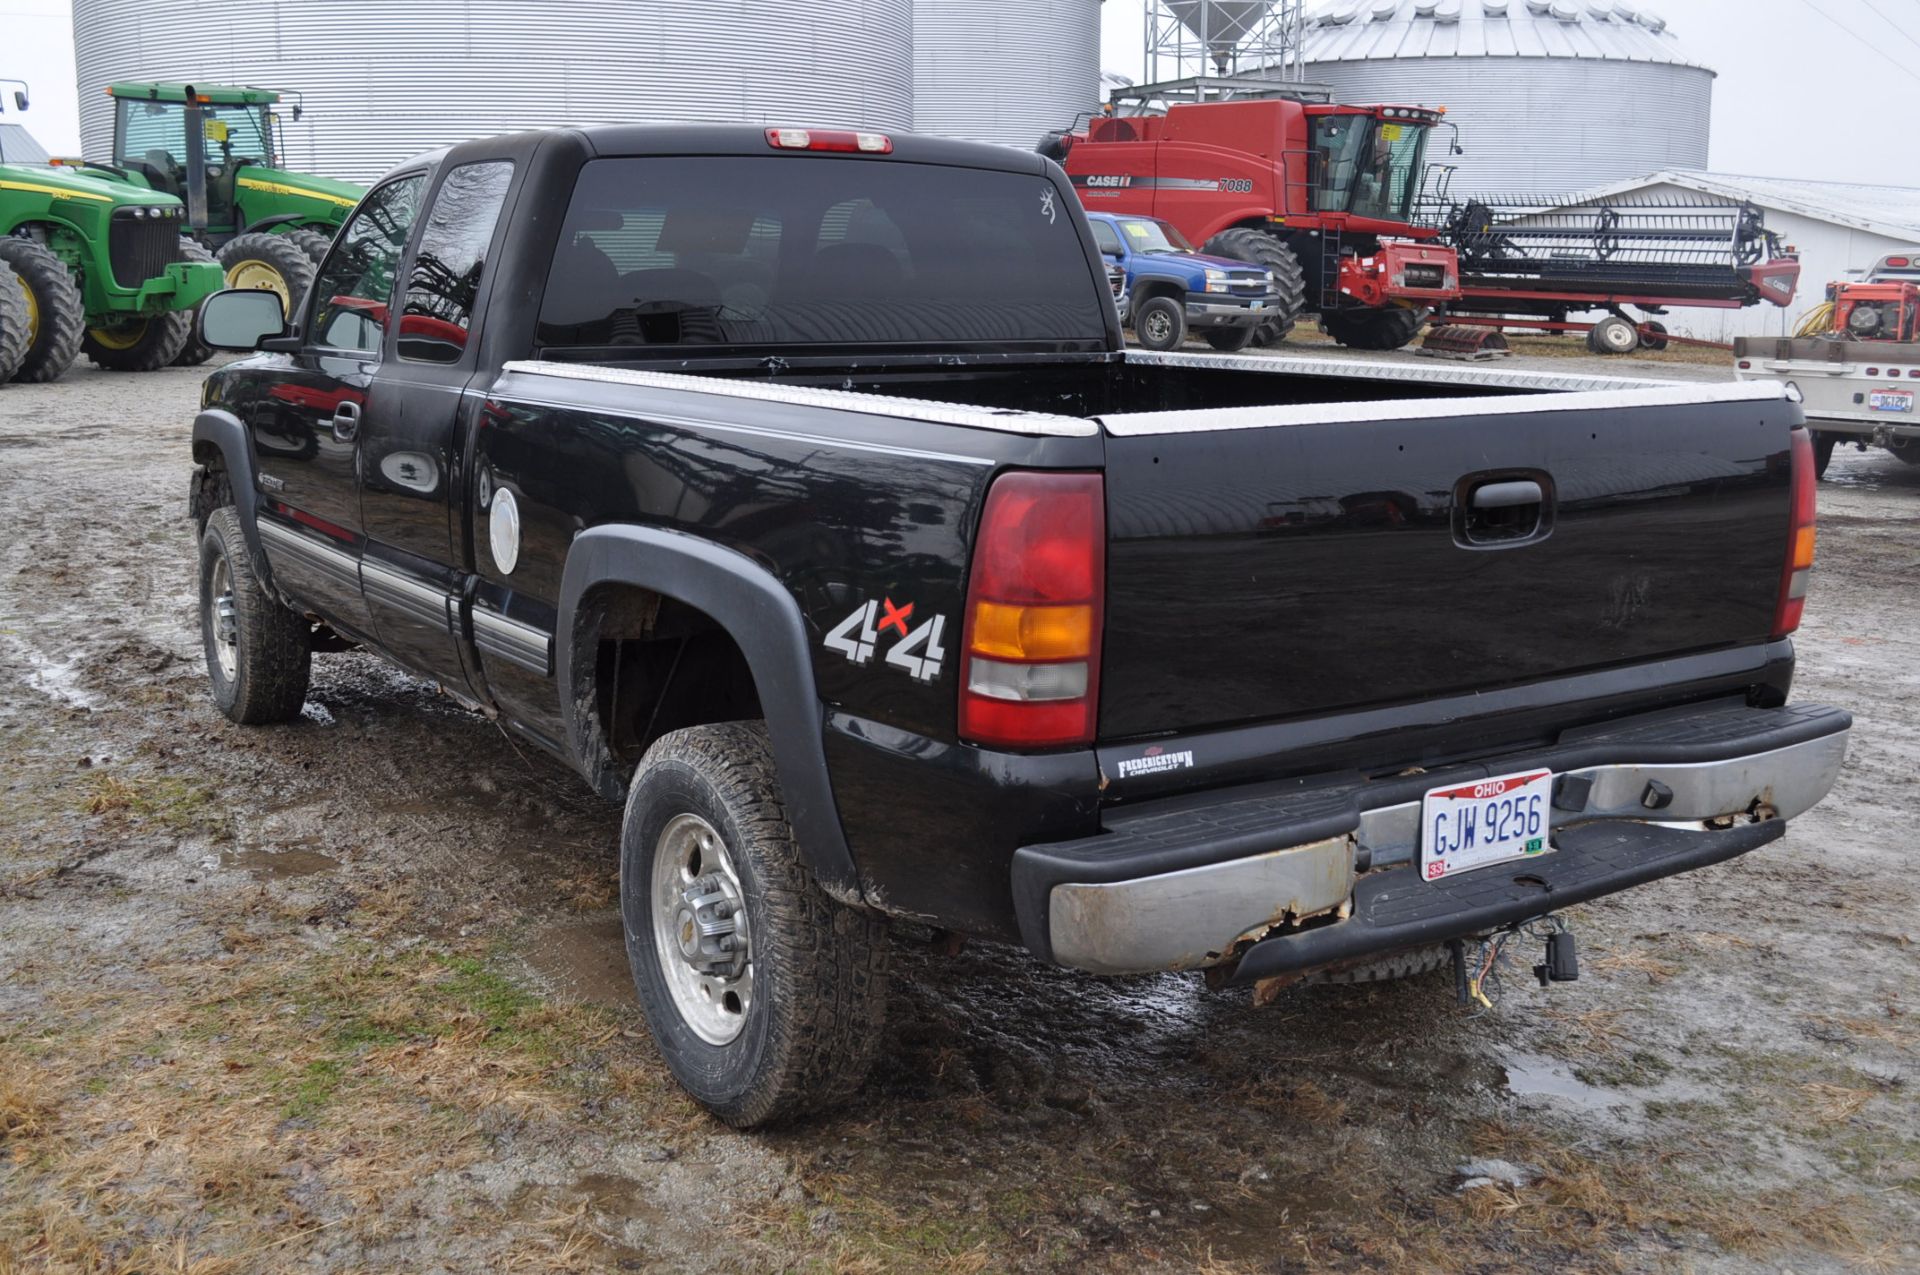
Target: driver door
{"type": "Point", "coordinates": [306, 430]}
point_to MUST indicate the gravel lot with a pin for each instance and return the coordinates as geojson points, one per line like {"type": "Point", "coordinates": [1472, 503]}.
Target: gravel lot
{"type": "Point", "coordinates": [349, 995]}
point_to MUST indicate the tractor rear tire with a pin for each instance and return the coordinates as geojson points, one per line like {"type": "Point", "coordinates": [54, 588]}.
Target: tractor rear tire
{"type": "Point", "coordinates": [195, 351]}
{"type": "Point", "coordinates": [140, 344]}
{"type": "Point", "coordinates": [275, 263]}
{"type": "Point", "coordinates": [13, 325]}
{"type": "Point", "coordinates": [56, 315]}
{"type": "Point", "coordinates": [1387, 328]}
{"type": "Point", "coordinates": [312, 242]}
{"type": "Point", "coordinates": [1257, 247]}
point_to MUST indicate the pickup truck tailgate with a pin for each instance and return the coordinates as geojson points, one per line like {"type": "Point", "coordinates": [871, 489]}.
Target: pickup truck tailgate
{"type": "Point", "coordinates": [1269, 563]}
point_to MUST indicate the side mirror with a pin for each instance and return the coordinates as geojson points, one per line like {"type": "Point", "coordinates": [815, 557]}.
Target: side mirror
{"type": "Point", "coordinates": [19, 99]}
{"type": "Point", "coordinates": [242, 318]}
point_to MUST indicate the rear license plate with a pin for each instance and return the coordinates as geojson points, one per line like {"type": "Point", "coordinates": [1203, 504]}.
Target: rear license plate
{"type": "Point", "coordinates": [1890, 401]}
{"type": "Point", "coordinates": [1484, 822]}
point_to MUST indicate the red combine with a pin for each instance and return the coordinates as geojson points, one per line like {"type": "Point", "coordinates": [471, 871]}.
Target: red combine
{"type": "Point", "coordinates": [1320, 194]}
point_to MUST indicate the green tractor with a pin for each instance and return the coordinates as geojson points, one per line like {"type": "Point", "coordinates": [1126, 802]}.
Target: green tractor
{"type": "Point", "coordinates": [93, 265]}
{"type": "Point", "coordinates": [218, 148]}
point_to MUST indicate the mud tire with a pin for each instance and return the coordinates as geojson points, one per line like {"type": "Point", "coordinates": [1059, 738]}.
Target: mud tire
{"type": "Point", "coordinates": [195, 351]}
{"type": "Point", "coordinates": [1160, 323]}
{"type": "Point", "coordinates": [1823, 445]}
{"type": "Point", "coordinates": [279, 254]}
{"type": "Point", "coordinates": [1256, 247]}
{"type": "Point", "coordinates": [158, 342]}
{"type": "Point", "coordinates": [1387, 328]}
{"type": "Point", "coordinates": [819, 967]}
{"type": "Point", "coordinates": [1410, 964]}
{"type": "Point", "coordinates": [272, 662]}
{"type": "Point", "coordinates": [63, 314]}
{"type": "Point", "coordinates": [312, 242]}
{"type": "Point", "coordinates": [13, 325]}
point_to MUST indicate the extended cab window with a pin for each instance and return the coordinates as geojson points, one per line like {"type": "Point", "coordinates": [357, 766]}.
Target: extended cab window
{"type": "Point", "coordinates": [742, 250]}
{"type": "Point", "coordinates": [354, 292]}
{"type": "Point", "coordinates": [445, 277]}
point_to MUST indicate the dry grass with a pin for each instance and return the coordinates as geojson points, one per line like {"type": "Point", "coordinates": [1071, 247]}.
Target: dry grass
{"type": "Point", "coordinates": [1629, 961]}
{"type": "Point", "coordinates": [1833, 1104]}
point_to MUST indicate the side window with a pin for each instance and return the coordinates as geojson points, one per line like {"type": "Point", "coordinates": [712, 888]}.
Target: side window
{"type": "Point", "coordinates": [353, 296]}
{"type": "Point", "coordinates": [445, 278]}
{"type": "Point", "coordinates": [1107, 239]}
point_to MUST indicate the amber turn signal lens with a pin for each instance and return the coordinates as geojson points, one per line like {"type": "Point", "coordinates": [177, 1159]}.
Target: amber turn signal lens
{"type": "Point", "coordinates": [1012, 632]}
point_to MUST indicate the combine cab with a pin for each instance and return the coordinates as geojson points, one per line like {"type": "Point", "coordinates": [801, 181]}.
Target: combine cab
{"type": "Point", "coordinates": [1321, 195]}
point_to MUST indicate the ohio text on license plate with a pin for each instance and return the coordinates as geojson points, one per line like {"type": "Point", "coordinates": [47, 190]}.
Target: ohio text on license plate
{"type": "Point", "coordinates": [1486, 821]}
{"type": "Point", "coordinates": [1890, 401]}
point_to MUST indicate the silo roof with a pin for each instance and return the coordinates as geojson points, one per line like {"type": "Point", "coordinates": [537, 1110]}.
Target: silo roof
{"type": "Point", "coordinates": [1600, 30]}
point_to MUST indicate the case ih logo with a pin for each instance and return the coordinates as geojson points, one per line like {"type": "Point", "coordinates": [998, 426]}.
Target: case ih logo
{"type": "Point", "coordinates": [1110, 181]}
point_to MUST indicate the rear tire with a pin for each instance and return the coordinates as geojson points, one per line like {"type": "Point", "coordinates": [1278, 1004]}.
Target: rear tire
{"type": "Point", "coordinates": [1411, 964]}
{"type": "Point", "coordinates": [1229, 340]}
{"type": "Point", "coordinates": [258, 655]}
{"type": "Point", "coordinates": [1257, 247]}
{"type": "Point", "coordinates": [14, 335]}
{"type": "Point", "coordinates": [710, 874]}
{"type": "Point", "coordinates": [1823, 445]}
{"type": "Point", "coordinates": [312, 242]}
{"type": "Point", "coordinates": [195, 351]}
{"type": "Point", "coordinates": [1387, 328]}
{"type": "Point", "coordinates": [57, 316]}
{"type": "Point", "coordinates": [140, 344]}
{"type": "Point", "coordinates": [1160, 323]}
{"type": "Point", "coordinates": [272, 262]}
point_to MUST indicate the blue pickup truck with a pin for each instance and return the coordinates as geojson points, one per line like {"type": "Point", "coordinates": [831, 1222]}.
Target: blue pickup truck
{"type": "Point", "coordinates": [1171, 287]}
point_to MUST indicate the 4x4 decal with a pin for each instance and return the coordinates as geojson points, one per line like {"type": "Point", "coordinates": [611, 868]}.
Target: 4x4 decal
{"type": "Point", "coordinates": [918, 650]}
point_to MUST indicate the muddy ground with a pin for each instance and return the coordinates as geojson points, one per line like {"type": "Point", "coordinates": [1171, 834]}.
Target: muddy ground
{"type": "Point", "coordinates": [348, 995]}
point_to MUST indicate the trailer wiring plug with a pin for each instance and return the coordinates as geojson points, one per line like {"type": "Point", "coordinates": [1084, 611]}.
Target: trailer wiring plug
{"type": "Point", "coordinates": [1477, 963]}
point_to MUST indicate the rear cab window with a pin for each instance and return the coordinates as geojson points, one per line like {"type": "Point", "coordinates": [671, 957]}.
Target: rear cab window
{"type": "Point", "coordinates": [773, 252]}
{"type": "Point", "coordinates": [444, 281]}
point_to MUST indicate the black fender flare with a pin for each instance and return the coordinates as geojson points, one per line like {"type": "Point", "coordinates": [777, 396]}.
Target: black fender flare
{"type": "Point", "coordinates": [761, 616]}
{"type": "Point", "coordinates": [222, 431]}
{"type": "Point", "coordinates": [266, 223]}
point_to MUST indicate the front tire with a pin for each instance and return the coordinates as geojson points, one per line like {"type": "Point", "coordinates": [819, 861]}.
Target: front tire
{"type": "Point", "coordinates": [275, 263]}
{"type": "Point", "coordinates": [56, 314]}
{"type": "Point", "coordinates": [765, 997]}
{"type": "Point", "coordinates": [258, 654]}
{"type": "Point", "coordinates": [1256, 247]}
{"type": "Point", "coordinates": [1387, 328]}
{"type": "Point", "coordinates": [140, 344]}
{"type": "Point", "coordinates": [1160, 323]}
{"type": "Point", "coordinates": [195, 351]}
{"type": "Point", "coordinates": [1229, 340]}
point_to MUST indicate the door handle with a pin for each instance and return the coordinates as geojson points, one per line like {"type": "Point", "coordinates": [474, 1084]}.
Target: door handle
{"type": "Point", "coordinates": [346, 422]}
{"type": "Point", "coordinates": [1507, 495]}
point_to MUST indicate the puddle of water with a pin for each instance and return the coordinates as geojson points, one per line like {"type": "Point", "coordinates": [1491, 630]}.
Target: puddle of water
{"type": "Point", "coordinates": [583, 961]}
{"type": "Point", "coordinates": [277, 865]}
{"type": "Point", "coordinates": [1536, 1075]}
{"type": "Point", "coordinates": [56, 680]}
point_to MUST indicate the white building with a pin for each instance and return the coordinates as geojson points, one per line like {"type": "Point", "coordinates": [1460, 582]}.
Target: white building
{"type": "Point", "coordinates": [1837, 227]}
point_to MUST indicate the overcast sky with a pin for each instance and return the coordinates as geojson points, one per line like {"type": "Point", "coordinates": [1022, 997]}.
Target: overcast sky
{"type": "Point", "coordinates": [1820, 89]}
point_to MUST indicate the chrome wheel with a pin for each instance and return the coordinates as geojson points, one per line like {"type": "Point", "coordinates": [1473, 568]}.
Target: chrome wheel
{"type": "Point", "coordinates": [220, 620]}
{"type": "Point", "coordinates": [700, 931]}
{"type": "Point", "coordinates": [1158, 328]}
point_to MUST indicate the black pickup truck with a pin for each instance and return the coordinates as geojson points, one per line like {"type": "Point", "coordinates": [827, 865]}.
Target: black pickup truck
{"type": "Point", "coordinates": [796, 487]}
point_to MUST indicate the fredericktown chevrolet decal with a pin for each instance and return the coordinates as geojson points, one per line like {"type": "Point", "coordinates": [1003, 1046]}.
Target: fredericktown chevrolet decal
{"type": "Point", "coordinates": [1155, 760]}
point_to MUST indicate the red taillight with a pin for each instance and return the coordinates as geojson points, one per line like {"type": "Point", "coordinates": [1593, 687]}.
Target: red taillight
{"type": "Point", "coordinates": [1898, 262]}
{"type": "Point", "coordinates": [1800, 538]}
{"type": "Point", "coordinates": [1745, 364]}
{"type": "Point", "coordinates": [829, 139]}
{"type": "Point", "coordinates": [1030, 668]}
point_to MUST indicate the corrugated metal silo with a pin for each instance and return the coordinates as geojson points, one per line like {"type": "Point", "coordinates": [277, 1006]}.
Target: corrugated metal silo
{"type": "Point", "coordinates": [386, 79]}
{"type": "Point", "coordinates": [1004, 70]}
{"type": "Point", "coordinates": [1549, 95]}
